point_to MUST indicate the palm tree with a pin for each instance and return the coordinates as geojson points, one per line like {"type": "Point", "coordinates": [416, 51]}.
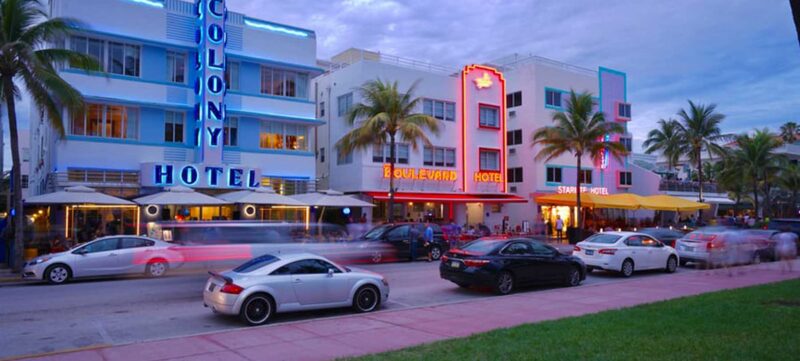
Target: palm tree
{"type": "Point", "coordinates": [789, 132]}
{"type": "Point", "coordinates": [579, 131]}
{"type": "Point", "coordinates": [667, 140]}
{"type": "Point", "coordinates": [386, 114]}
{"type": "Point", "coordinates": [730, 179]}
{"type": "Point", "coordinates": [789, 180]}
{"type": "Point", "coordinates": [755, 158]}
{"type": "Point", "coordinates": [700, 131]}
{"type": "Point", "coordinates": [28, 59]}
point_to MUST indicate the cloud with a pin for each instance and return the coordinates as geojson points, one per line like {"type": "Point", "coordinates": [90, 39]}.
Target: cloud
{"type": "Point", "coordinates": [741, 55]}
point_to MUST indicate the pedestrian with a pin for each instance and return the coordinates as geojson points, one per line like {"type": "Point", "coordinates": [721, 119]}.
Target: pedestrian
{"type": "Point", "coordinates": [414, 238]}
{"type": "Point", "coordinates": [559, 227]}
{"type": "Point", "coordinates": [786, 249]}
{"type": "Point", "coordinates": [428, 238]}
{"type": "Point", "coordinates": [57, 245]}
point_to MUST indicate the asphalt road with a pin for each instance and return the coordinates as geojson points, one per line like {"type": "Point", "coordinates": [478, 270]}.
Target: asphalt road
{"type": "Point", "coordinates": [40, 318]}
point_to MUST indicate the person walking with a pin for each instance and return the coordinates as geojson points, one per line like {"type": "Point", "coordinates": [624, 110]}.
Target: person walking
{"type": "Point", "coordinates": [786, 249]}
{"type": "Point", "coordinates": [559, 227]}
{"type": "Point", "coordinates": [428, 238]}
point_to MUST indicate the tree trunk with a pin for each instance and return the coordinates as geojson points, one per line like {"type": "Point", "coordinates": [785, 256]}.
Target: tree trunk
{"type": "Point", "coordinates": [16, 177]}
{"type": "Point", "coordinates": [794, 204]}
{"type": "Point", "coordinates": [390, 213]}
{"type": "Point", "coordinates": [700, 182]}
{"type": "Point", "coordinates": [767, 211]}
{"type": "Point", "coordinates": [755, 196]}
{"type": "Point", "coordinates": [578, 218]}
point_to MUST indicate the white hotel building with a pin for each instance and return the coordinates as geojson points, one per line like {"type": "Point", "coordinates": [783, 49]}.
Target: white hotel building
{"type": "Point", "coordinates": [530, 89]}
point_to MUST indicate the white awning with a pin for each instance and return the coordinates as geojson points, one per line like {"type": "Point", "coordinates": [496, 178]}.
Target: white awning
{"type": "Point", "coordinates": [261, 195]}
{"type": "Point", "coordinates": [77, 195]}
{"type": "Point", "coordinates": [180, 196]}
{"type": "Point", "coordinates": [715, 200]}
{"type": "Point", "coordinates": [330, 198]}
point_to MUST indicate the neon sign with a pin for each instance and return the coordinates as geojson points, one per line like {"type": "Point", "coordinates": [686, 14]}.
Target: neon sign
{"type": "Point", "coordinates": [593, 190]}
{"type": "Point", "coordinates": [420, 174]}
{"type": "Point", "coordinates": [488, 177]}
{"type": "Point", "coordinates": [210, 86]}
{"type": "Point", "coordinates": [199, 175]}
{"type": "Point", "coordinates": [483, 82]}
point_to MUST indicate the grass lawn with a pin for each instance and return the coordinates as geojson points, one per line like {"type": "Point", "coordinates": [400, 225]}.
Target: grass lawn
{"type": "Point", "coordinates": [756, 323]}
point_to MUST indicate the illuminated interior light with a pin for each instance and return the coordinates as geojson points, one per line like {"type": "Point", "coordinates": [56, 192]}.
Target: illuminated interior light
{"type": "Point", "coordinates": [152, 3]}
{"type": "Point", "coordinates": [278, 29]}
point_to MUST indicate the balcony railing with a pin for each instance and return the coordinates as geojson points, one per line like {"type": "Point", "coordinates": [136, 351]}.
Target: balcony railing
{"type": "Point", "coordinates": [687, 186]}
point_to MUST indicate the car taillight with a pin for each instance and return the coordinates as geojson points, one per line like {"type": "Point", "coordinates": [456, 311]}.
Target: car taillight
{"type": "Point", "coordinates": [475, 262]}
{"type": "Point", "coordinates": [444, 259]}
{"type": "Point", "coordinates": [712, 245]}
{"type": "Point", "coordinates": [610, 251]}
{"type": "Point", "coordinates": [231, 288]}
{"type": "Point", "coordinates": [576, 249]}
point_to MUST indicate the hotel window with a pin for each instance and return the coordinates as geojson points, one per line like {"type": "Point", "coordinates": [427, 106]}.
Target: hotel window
{"type": "Point", "coordinates": [438, 109]}
{"type": "Point", "coordinates": [344, 102]}
{"type": "Point", "coordinates": [489, 116]}
{"type": "Point", "coordinates": [586, 176]}
{"type": "Point", "coordinates": [322, 155]}
{"type": "Point", "coordinates": [123, 59]}
{"type": "Point", "coordinates": [91, 47]}
{"type": "Point", "coordinates": [271, 136]}
{"type": "Point", "coordinates": [174, 123]}
{"type": "Point", "coordinates": [624, 110]}
{"type": "Point", "coordinates": [627, 143]}
{"type": "Point", "coordinates": [231, 75]}
{"type": "Point", "coordinates": [176, 67]}
{"type": "Point", "coordinates": [230, 133]}
{"type": "Point", "coordinates": [489, 160]}
{"type": "Point", "coordinates": [106, 121]}
{"type": "Point", "coordinates": [553, 175]}
{"type": "Point", "coordinates": [342, 158]}
{"type": "Point", "coordinates": [514, 137]}
{"type": "Point", "coordinates": [514, 175]}
{"type": "Point", "coordinates": [381, 154]}
{"type": "Point", "coordinates": [321, 109]}
{"type": "Point", "coordinates": [552, 98]}
{"type": "Point", "coordinates": [514, 99]}
{"type": "Point", "coordinates": [285, 83]}
{"type": "Point", "coordinates": [296, 137]}
{"type": "Point", "coordinates": [625, 179]}
{"type": "Point", "coordinates": [439, 157]}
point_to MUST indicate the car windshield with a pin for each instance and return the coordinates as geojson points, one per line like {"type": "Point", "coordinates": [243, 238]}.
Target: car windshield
{"type": "Point", "coordinates": [255, 263]}
{"type": "Point", "coordinates": [603, 238]}
{"type": "Point", "coordinates": [376, 232]}
{"type": "Point", "coordinates": [480, 247]}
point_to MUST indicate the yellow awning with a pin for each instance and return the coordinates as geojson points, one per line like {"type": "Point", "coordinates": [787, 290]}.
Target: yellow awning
{"type": "Point", "coordinates": [661, 202]}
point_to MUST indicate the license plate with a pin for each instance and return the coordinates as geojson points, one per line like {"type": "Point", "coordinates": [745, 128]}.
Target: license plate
{"type": "Point", "coordinates": [689, 249]}
{"type": "Point", "coordinates": [454, 264]}
{"type": "Point", "coordinates": [211, 287]}
{"type": "Point", "coordinates": [589, 252]}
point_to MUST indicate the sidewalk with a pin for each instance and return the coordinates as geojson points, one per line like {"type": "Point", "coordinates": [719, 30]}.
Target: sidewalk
{"type": "Point", "coordinates": [353, 335]}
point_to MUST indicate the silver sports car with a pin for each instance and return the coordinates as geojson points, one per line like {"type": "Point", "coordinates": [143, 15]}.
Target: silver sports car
{"type": "Point", "coordinates": [293, 282]}
{"type": "Point", "coordinates": [105, 256]}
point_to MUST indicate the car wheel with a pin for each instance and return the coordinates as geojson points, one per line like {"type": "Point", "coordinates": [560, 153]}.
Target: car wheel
{"type": "Point", "coordinates": [436, 253]}
{"type": "Point", "coordinates": [573, 277]}
{"type": "Point", "coordinates": [505, 283]}
{"type": "Point", "coordinates": [589, 269]}
{"type": "Point", "coordinates": [57, 274]}
{"type": "Point", "coordinates": [462, 285]}
{"type": "Point", "coordinates": [257, 309]}
{"type": "Point", "coordinates": [756, 258]}
{"type": "Point", "coordinates": [627, 268]}
{"type": "Point", "coordinates": [367, 299]}
{"type": "Point", "coordinates": [156, 268]}
{"type": "Point", "coordinates": [672, 264]}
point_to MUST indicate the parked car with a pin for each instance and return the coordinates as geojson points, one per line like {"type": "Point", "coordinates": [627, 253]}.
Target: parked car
{"type": "Point", "coordinates": [716, 246]}
{"type": "Point", "coordinates": [665, 235]}
{"type": "Point", "coordinates": [268, 284]}
{"type": "Point", "coordinates": [105, 256]}
{"type": "Point", "coordinates": [626, 252]}
{"type": "Point", "coordinates": [399, 237]}
{"type": "Point", "coordinates": [506, 264]}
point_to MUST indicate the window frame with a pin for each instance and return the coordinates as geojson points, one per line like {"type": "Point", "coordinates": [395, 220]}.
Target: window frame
{"type": "Point", "coordinates": [511, 137]}
{"type": "Point", "coordinates": [514, 99]}
{"type": "Point", "coordinates": [448, 109]}
{"type": "Point", "coordinates": [172, 64]}
{"type": "Point", "coordinates": [174, 125]}
{"type": "Point", "coordinates": [557, 173]}
{"type": "Point", "coordinates": [621, 178]}
{"type": "Point", "coordinates": [129, 115]}
{"type": "Point", "coordinates": [232, 79]}
{"type": "Point", "coordinates": [348, 104]}
{"type": "Point", "coordinates": [496, 109]}
{"type": "Point", "coordinates": [550, 101]}
{"type": "Point", "coordinates": [106, 53]}
{"type": "Point", "coordinates": [514, 175]}
{"type": "Point", "coordinates": [230, 134]}
{"type": "Point", "coordinates": [586, 174]}
{"type": "Point", "coordinates": [481, 167]}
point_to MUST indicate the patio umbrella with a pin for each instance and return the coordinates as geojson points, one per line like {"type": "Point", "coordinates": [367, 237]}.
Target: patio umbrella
{"type": "Point", "coordinates": [77, 195]}
{"type": "Point", "coordinates": [180, 196]}
{"type": "Point", "coordinates": [330, 198]}
{"type": "Point", "coordinates": [261, 195]}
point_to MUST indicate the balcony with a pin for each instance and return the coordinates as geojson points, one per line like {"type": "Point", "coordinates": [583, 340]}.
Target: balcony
{"type": "Point", "coordinates": [688, 186]}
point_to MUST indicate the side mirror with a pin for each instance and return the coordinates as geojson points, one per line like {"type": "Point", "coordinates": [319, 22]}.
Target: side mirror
{"type": "Point", "coordinates": [330, 272]}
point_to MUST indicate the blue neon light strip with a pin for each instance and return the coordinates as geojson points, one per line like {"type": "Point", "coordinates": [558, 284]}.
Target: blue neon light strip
{"type": "Point", "coordinates": [275, 28]}
{"type": "Point", "coordinates": [153, 3]}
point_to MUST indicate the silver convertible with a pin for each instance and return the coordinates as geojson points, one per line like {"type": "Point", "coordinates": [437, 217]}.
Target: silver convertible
{"type": "Point", "coordinates": [106, 256]}
{"type": "Point", "coordinates": [267, 284]}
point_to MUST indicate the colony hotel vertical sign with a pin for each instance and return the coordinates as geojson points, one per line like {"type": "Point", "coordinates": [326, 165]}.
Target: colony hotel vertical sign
{"type": "Point", "coordinates": [209, 114]}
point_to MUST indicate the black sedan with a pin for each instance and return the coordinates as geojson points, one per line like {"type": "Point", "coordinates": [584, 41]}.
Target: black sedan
{"type": "Point", "coordinates": [665, 235]}
{"type": "Point", "coordinates": [506, 264]}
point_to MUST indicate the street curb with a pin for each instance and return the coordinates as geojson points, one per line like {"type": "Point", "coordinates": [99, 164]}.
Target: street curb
{"type": "Point", "coordinates": [58, 352]}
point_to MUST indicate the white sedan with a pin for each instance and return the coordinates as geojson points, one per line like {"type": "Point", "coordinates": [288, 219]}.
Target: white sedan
{"type": "Point", "coordinates": [625, 252]}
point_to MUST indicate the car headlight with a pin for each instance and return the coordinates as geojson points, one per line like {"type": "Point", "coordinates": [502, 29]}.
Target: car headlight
{"type": "Point", "coordinates": [39, 260]}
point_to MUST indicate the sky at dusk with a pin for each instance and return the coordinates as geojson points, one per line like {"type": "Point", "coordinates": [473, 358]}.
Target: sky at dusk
{"type": "Point", "coordinates": [742, 55]}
